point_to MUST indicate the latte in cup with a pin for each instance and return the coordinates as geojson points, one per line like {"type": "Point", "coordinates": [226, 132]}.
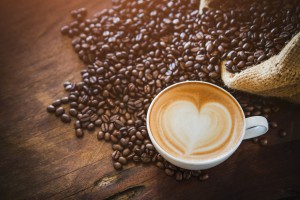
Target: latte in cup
{"type": "Point", "coordinates": [195, 121]}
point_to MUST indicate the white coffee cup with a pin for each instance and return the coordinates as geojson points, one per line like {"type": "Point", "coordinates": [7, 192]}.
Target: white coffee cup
{"type": "Point", "coordinates": [253, 127]}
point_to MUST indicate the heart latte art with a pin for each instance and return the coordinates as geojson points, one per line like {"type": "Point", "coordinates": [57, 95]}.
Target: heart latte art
{"type": "Point", "coordinates": [195, 131]}
{"type": "Point", "coordinates": [195, 122]}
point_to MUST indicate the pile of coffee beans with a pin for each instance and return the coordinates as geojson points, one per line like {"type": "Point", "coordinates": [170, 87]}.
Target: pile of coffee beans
{"type": "Point", "coordinates": [138, 48]}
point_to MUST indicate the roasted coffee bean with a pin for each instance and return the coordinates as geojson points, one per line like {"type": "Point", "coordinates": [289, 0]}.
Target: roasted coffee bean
{"type": "Point", "coordinates": [189, 64]}
{"type": "Point", "coordinates": [178, 176]}
{"type": "Point", "coordinates": [213, 74]}
{"type": "Point", "coordinates": [117, 165]}
{"type": "Point", "coordinates": [266, 110]}
{"type": "Point", "coordinates": [84, 118]}
{"type": "Point", "coordinates": [263, 141]}
{"type": "Point", "coordinates": [249, 108]}
{"type": "Point", "coordinates": [72, 98]}
{"type": "Point", "coordinates": [160, 165]}
{"type": "Point", "coordinates": [145, 158]}
{"type": "Point", "coordinates": [124, 142]}
{"type": "Point", "coordinates": [282, 133]}
{"type": "Point", "coordinates": [266, 115]}
{"type": "Point", "coordinates": [51, 109]}
{"type": "Point", "coordinates": [126, 152]}
{"type": "Point", "coordinates": [77, 124]}
{"type": "Point", "coordinates": [117, 147]}
{"type": "Point", "coordinates": [130, 156]}
{"type": "Point", "coordinates": [241, 64]}
{"type": "Point", "coordinates": [118, 124]}
{"type": "Point", "coordinates": [107, 137]}
{"type": "Point", "coordinates": [139, 135]}
{"type": "Point", "coordinates": [261, 58]}
{"type": "Point", "coordinates": [203, 177]}
{"type": "Point", "coordinates": [122, 160]}
{"type": "Point", "coordinates": [64, 100]}
{"type": "Point", "coordinates": [136, 158]}
{"type": "Point", "coordinates": [114, 139]}
{"type": "Point", "coordinates": [149, 146]}
{"type": "Point", "coordinates": [114, 118]}
{"type": "Point", "coordinates": [255, 140]}
{"type": "Point", "coordinates": [64, 30]}
{"type": "Point", "coordinates": [98, 122]}
{"type": "Point", "coordinates": [187, 174]}
{"type": "Point", "coordinates": [79, 133]}
{"type": "Point", "coordinates": [196, 172]}
{"type": "Point", "coordinates": [91, 127]}
{"type": "Point", "coordinates": [56, 103]}
{"type": "Point", "coordinates": [59, 111]}
{"type": "Point", "coordinates": [169, 172]}
{"type": "Point", "coordinates": [173, 167]}
{"type": "Point", "coordinates": [256, 113]}
{"type": "Point", "coordinates": [115, 155]}
{"type": "Point", "coordinates": [73, 105]}
{"type": "Point", "coordinates": [275, 108]}
{"type": "Point", "coordinates": [111, 127]}
{"type": "Point", "coordinates": [73, 112]}
{"type": "Point", "coordinates": [200, 58]}
{"type": "Point", "coordinates": [104, 127]}
{"type": "Point", "coordinates": [65, 118]}
{"type": "Point", "coordinates": [105, 118]}
{"type": "Point", "coordinates": [100, 135]}
{"type": "Point", "coordinates": [273, 124]}
{"type": "Point", "coordinates": [209, 47]}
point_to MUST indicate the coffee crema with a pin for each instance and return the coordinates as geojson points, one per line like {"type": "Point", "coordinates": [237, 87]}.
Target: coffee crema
{"type": "Point", "coordinates": [196, 121]}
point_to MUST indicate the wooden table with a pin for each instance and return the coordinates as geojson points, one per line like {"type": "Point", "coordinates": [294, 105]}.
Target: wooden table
{"type": "Point", "coordinates": [40, 158]}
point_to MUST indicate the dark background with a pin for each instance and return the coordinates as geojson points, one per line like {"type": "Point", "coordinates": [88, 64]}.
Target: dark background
{"type": "Point", "coordinates": [40, 158]}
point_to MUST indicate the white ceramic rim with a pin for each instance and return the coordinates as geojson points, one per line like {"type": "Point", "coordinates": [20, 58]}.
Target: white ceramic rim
{"type": "Point", "coordinates": [200, 162]}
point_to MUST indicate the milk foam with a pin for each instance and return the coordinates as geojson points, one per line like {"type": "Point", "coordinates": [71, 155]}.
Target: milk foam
{"type": "Point", "coordinates": [195, 131]}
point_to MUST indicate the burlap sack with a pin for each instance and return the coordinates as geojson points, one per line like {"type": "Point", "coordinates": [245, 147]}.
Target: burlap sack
{"type": "Point", "coordinates": [278, 76]}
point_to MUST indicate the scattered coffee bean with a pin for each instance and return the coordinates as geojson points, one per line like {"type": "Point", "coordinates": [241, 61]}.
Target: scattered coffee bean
{"type": "Point", "coordinates": [65, 118]}
{"type": "Point", "coordinates": [136, 158]}
{"type": "Point", "coordinates": [169, 172]}
{"type": "Point", "coordinates": [282, 133]}
{"type": "Point", "coordinates": [178, 176]}
{"type": "Point", "coordinates": [91, 127]}
{"type": "Point", "coordinates": [73, 112]}
{"type": "Point", "coordinates": [273, 124]}
{"type": "Point", "coordinates": [187, 174]}
{"type": "Point", "coordinates": [56, 103]}
{"type": "Point", "coordinates": [122, 160]}
{"type": "Point", "coordinates": [51, 109]}
{"type": "Point", "coordinates": [203, 177]}
{"type": "Point", "coordinates": [107, 137]}
{"type": "Point", "coordinates": [126, 152]}
{"type": "Point", "coordinates": [160, 165]}
{"type": "Point", "coordinates": [65, 100]}
{"type": "Point", "coordinates": [263, 141]}
{"type": "Point", "coordinates": [255, 140]}
{"type": "Point", "coordinates": [117, 165]}
{"type": "Point", "coordinates": [100, 135]}
{"type": "Point", "coordinates": [275, 108]}
{"type": "Point", "coordinates": [64, 30]}
{"type": "Point", "coordinates": [196, 173]}
{"type": "Point", "coordinates": [79, 133]}
{"type": "Point", "coordinates": [59, 111]}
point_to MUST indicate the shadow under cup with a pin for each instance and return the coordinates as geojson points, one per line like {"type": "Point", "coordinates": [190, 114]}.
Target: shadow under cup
{"type": "Point", "coordinates": [195, 125]}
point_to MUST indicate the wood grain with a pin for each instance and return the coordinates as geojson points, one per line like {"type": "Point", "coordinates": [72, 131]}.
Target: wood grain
{"type": "Point", "coordinates": [40, 158]}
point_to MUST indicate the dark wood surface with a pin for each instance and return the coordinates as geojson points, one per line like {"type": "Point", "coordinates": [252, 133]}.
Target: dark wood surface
{"type": "Point", "coordinates": [40, 158]}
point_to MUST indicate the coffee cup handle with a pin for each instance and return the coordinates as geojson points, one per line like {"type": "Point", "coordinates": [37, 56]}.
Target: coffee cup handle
{"type": "Point", "coordinates": [255, 126]}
